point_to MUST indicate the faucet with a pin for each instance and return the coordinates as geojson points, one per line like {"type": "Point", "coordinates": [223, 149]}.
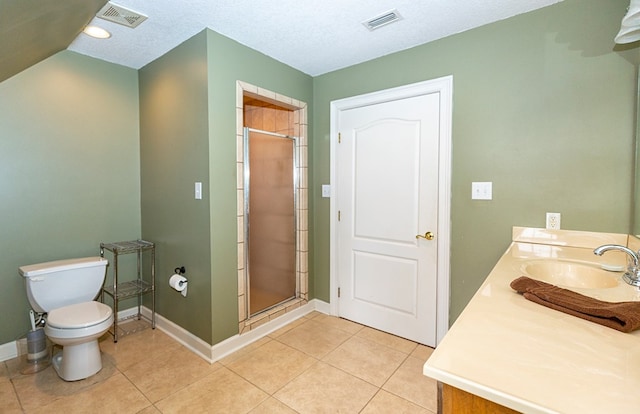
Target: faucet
{"type": "Point", "coordinates": [632, 275]}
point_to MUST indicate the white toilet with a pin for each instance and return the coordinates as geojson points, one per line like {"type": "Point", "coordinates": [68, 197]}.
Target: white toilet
{"type": "Point", "coordinates": [65, 290]}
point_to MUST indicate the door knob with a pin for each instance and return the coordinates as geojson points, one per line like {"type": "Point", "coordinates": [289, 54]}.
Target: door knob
{"type": "Point", "coordinates": [428, 235]}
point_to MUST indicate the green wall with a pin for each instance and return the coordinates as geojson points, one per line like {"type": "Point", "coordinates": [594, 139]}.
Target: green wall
{"type": "Point", "coordinates": [543, 106]}
{"type": "Point", "coordinates": [69, 169]}
{"type": "Point", "coordinates": [188, 134]}
{"type": "Point", "coordinates": [174, 147]}
{"type": "Point", "coordinates": [230, 61]}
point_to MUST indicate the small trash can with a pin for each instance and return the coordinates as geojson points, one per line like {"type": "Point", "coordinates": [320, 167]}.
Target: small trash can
{"type": "Point", "coordinates": [37, 352]}
{"type": "Point", "coordinates": [36, 346]}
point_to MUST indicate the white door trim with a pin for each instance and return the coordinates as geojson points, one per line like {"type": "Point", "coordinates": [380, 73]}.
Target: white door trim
{"type": "Point", "coordinates": [443, 86]}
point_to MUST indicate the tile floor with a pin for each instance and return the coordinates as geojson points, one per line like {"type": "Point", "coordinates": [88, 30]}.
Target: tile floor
{"type": "Point", "coordinates": [317, 364]}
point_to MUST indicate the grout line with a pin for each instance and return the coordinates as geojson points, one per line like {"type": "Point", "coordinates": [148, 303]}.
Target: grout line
{"type": "Point", "coordinates": [319, 318]}
{"type": "Point", "coordinates": [370, 399]}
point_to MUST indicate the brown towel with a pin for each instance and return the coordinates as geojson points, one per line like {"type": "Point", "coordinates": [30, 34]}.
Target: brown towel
{"type": "Point", "coordinates": [623, 316]}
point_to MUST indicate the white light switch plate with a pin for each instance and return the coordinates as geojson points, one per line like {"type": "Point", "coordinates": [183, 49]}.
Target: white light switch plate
{"type": "Point", "coordinates": [198, 191]}
{"type": "Point", "coordinates": [481, 190]}
{"type": "Point", "coordinates": [326, 190]}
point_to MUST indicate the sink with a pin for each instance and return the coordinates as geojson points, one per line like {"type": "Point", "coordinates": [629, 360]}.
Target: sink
{"type": "Point", "coordinates": [571, 274]}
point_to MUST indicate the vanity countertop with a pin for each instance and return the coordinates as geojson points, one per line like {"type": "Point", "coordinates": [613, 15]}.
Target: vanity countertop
{"type": "Point", "coordinates": [533, 359]}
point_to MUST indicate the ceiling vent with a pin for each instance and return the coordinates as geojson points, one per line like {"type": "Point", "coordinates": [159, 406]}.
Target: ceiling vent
{"type": "Point", "coordinates": [382, 20]}
{"type": "Point", "coordinates": [121, 15]}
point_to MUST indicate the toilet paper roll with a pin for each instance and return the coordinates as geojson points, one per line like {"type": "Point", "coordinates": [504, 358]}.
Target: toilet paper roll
{"type": "Point", "coordinates": [179, 283]}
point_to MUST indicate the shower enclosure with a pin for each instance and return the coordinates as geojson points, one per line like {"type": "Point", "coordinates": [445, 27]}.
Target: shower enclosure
{"type": "Point", "coordinates": [270, 224]}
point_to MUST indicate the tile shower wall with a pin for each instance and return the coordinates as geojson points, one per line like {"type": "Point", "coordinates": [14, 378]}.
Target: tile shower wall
{"type": "Point", "coordinates": [266, 110]}
{"type": "Point", "coordinates": [268, 117]}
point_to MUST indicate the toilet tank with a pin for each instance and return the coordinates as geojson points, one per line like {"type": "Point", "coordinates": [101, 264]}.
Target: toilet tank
{"type": "Point", "coordinates": [60, 283]}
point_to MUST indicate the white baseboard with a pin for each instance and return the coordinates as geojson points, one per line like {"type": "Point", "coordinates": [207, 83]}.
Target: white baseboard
{"type": "Point", "coordinates": [236, 342]}
{"type": "Point", "coordinates": [220, 350]}
{"type": "Point", "coordinates": [322, 306]}
{"type": "Point", "coordinates": [8, 351]}
{"type": "Point", "coordinates": [198, 346]}
{"type": "Point", "coordinates": [181, 335]}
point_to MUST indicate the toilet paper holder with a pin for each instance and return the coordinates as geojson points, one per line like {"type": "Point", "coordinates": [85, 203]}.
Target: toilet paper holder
{"type": "Point", "coordinates": [178, 281]}
{"type": "Point", "coordinates": [181, 271]}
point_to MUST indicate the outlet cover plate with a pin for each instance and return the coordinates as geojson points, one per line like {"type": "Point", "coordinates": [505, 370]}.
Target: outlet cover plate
{"type": "Point", "coordinates": [553, 221]}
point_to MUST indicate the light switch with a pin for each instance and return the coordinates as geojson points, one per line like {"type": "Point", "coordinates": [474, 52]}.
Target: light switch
{"type": "Point", "coordinates": [198, 192]}
{"type": "Point", "coordinates": [481, 190]}
{"type": "Point", "coordinates": [326, 190]}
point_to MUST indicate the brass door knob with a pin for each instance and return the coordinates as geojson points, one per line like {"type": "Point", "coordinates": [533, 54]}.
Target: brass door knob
{"type": "Point", "coordinates": [428, 235]}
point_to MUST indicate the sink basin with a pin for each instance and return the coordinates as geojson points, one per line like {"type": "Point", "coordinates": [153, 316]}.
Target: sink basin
{"type": "Point", "coordinates": [571, 274]}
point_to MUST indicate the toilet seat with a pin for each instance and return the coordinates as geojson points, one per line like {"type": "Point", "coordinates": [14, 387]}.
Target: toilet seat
{"type": "Point", "coordinates": [77, 329]}
{"type": "Point", "coordinates": [79, 315]}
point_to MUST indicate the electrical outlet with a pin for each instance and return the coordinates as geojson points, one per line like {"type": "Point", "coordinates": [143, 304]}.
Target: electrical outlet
{"type": "Point", "coordinates": [553, 221]}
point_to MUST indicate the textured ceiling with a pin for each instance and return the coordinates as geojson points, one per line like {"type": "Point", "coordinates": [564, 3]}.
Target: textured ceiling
{"type": "Point", "coordinates": [312, 36]}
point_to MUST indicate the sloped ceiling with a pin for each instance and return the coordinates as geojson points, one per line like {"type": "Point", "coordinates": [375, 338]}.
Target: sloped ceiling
{"type": "Point", "coordinates": [33, 30]}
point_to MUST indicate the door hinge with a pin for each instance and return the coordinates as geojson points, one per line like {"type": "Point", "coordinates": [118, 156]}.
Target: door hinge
{"type": "Point", "coordinates": [339, 138]}
{"type": "Point", "coordinates": [339, 215]}
{"type": "Point", "coordinates": [338, 292]}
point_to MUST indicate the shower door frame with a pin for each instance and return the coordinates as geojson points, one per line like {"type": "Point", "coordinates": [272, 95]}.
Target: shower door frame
{"type": "Point", "coordinates": [299, 128]}
{"type": "Point", "coordinates": [247, 215]}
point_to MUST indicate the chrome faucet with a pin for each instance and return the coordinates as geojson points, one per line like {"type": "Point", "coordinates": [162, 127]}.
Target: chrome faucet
{"type": "Point", "coordinates": [632, 275]}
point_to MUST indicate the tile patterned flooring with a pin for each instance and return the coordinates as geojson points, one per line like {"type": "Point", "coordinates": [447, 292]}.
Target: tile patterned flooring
{"type": "Point", "coordinates": [316, 364]}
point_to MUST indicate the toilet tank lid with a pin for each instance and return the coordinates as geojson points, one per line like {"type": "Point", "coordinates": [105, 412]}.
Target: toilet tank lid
{"type": "Point", "coordinates": [61, 265]}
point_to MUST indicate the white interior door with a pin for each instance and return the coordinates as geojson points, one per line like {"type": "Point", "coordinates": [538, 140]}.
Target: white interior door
{"type": "Point", "coordinates": [387, 194]}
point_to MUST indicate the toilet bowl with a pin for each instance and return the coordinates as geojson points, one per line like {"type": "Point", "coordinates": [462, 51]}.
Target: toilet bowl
{"type": "Point", "coordinates": [77, 329]}
{"type": "Point", "coordinates": [66, 290]}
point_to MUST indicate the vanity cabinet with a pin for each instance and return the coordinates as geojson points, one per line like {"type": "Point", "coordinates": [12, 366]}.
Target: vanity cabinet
{"type": "Point", "coordinates": [137, 287]}
{"type": "Point", "coordinates": [452, 400]}
{"type": "Point", "coordinates": [506, 351]}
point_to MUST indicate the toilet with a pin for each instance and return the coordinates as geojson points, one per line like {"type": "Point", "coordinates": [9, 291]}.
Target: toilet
{"type": "Point", "coordinates": [65, 290]}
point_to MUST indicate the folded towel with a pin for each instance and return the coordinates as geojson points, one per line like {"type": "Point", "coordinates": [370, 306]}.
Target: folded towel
{"type": "Point", "coordinates": [623, 316]}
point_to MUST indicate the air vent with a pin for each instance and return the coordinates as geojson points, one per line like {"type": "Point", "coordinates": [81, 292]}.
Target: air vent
{"type": "Point", "coordinates": [382, 20]}
{"type": "Point", "coordinates": [121, 15]}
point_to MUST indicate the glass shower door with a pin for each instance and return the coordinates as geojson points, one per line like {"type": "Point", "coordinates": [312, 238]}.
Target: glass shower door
{"type": "Point", "coordinates": [270, 225]}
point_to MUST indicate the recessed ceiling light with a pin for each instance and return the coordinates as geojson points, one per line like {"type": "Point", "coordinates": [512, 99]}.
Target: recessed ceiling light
{"type": "Point", "coordinates": [97, 32]}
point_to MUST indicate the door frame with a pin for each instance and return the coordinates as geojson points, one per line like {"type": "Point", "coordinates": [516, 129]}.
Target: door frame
{"type": "Point", "coordinates": [443, 86]}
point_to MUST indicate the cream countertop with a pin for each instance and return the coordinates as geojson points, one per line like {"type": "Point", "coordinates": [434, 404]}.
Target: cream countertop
{"type": "Point", "coordinates": [533, 359]}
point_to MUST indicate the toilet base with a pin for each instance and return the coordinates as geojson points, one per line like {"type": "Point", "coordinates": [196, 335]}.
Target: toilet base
{"type": "Point", "coordinates": [77, 362]}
